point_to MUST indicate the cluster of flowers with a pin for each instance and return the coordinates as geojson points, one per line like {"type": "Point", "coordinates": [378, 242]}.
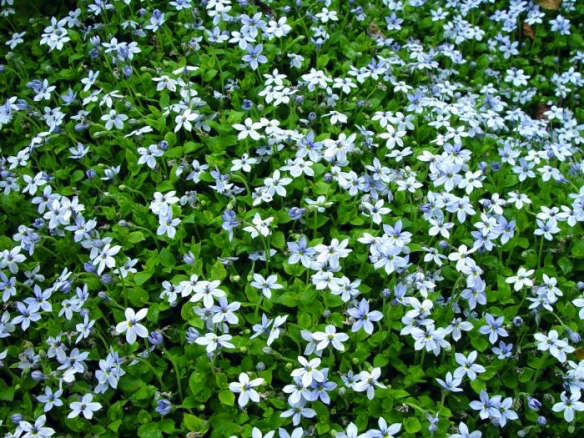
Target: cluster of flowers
{"type": "Point", "coordinates": [334, 199]}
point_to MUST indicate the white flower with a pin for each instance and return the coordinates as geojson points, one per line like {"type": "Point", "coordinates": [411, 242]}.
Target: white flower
{"type": "Point", "coordinates": [206, 290]}
{"type": "Point", "coordinates": [384, 430]}
{"type": "Point", "coordinates": [104, 257]}
{"type": "Point", "coordinates": [336, 117]}
{"type": "Point", "coordinates": [248, 129]}
{"type": "Point", "coordinates": [367, 381]}
{"type": "Point", "coordinates": [521, 279]}
{"type": "Point", "coordinates": [557, 347]}
{"type": "Point", "coordinates": [259, 226]}
{"type": "Point", "coordinates": [131, 326]}
{"type": "Point", "coordinates": [467, 366]}
{"type": "Point", "coordinates": [112, 119]}
{"type": "Point", "coordinates": [184, 120]}
{"type": "Point", "coordinates": [579, 302]}
{"type": "Point", "coordinates": [350, 432]}
{"type": "Point", "coordinates": [245, 389]}
{"type": "Point", "coordinates": [331, 336]}
{"type": "Point", "coordinates": [266, 285]}
{"type": "Point", "coordinates": [212, 341]}
{"type": "Point", "coordinates": [308, 372]}
{"type": "Point", "coordinates": [463, 432]}
{"type": "Point", "coordinates": [569, 405]}
{"type": "Point", "coordinates": [86, 407]}
{"type": "Point", "coordinates": [256, 433]}
{"type": "Point", "coordinates": [275, 331]}
{"type": "Point", "coordinates": [440, 227]}
{"type": "Point", "coordinates": [35, 430]}
{"type": "Point", "coordinates": [450, 383]}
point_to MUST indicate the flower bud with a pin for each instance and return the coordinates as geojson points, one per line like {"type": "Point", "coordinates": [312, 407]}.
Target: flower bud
{"type": "Point", "coordinates": [37, 375]}
{"type": "Point", "coordinates": [155, 338]}
{"type": "Point", "coordinates": [189, 258]}
{"type": "Point", "coordinates": [533, 403]}
{"type": "Point", "coordinates": [574, 336]}
{"type": "Point", "coordinates": [163, 407]}
{"type": "Point", "coordinates": [102, 295]}
{"type": "Point", "coordinates": [192, 335]}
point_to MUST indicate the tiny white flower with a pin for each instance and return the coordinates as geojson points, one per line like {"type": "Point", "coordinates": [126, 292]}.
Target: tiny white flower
{"type": "Point", "coordinates": [86, 407]}
{"type": "Point", "coordinates": [245, 389]}
{"type": "Point", "coordinates": [569, 404]}
{"type": "Point", "coordinates": [259, 226]}
{"type": "Point", "coordinates": [131, 326]}
{"type": "Point", "coordinates": [522, 279]}
{"type": "Point", "coordinates": [330, 336]}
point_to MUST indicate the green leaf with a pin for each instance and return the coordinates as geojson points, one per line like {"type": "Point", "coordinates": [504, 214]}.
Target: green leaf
{"type": "Point", "coordinates": [287, 299]}
{"type": "Point", "coordinates": [114, 425]}
{"type": "Point", "coordinates": [196, 382]}
{"type": "Point", "coordinates": [137, 297]}
{"type": "Point", "coordinates": [200, 387]}
{"type": "Point", "coordinates": [6, 392]}
{"type": "Point", "coordinates": [191, 146]}
{"type": "Point", "coordinates": [526, 374]}
{"type": "Point", "coordinates": [195, 424]}
{"type": "Point", "coordinates": [278, 240]}
{"type": "Point", "coordinates": [167, 258]}
{"type": "Point", "coordinates": [167, 426]}
{"type": "Point", "coordinates": [509, 378]}
{"type": "Point", "coordinates": [227, 397]}
{"type": "Point", "coordinates": [415, 375]}
{"type": "Point", "coordinates": [478, 385]}
{"type": "Point", "coordinates": [565, 265]}
{"type": "Point", "coordinates": [479, 342]}
{"type": "Point", "coordinates": [142, 277]}
{"type": "Point", "coordinates": [578, 249]}
{"type": "Point", "coordinates": [321, 188]}
{"type": "Point", "coordinates": [323, 428]}
{"type": "Point", "coordinates": [209, 74]}
{"type": "Point", "coordinates": [412, 425]}
{"type": "Point", "coordinates": [218, 271]}
{"type": "Point", "coordinates": [149, 430]}
{"type": "Point", "coordinates": [136, 236]}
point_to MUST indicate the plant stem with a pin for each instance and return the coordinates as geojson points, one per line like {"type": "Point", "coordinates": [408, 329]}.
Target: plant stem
{"type": "Point", "coordinates": [149, 365]}
{"type": "Point", "coordinates": [176, 372]}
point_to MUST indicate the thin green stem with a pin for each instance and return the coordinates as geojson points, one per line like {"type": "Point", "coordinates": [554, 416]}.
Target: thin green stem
{"type": "Point", "coordinates": [539, 254]}
{"type": "Point", "coordinates": [152, 369]}
{"type": "Point", "coordinates": [177, 373]}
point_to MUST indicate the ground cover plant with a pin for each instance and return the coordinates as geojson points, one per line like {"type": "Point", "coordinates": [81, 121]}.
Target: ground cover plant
{"type": "Point", "coordinates": [291, 218]}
